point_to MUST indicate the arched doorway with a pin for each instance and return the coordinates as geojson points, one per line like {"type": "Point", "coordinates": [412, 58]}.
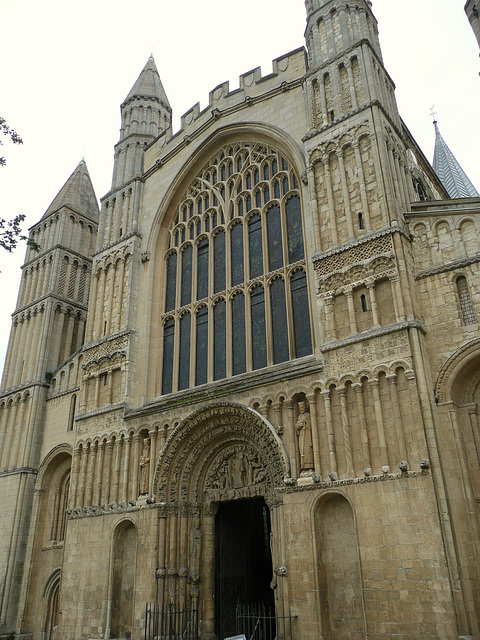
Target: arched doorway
{"type": "Point", "coordinates": [243, 560]}
{"type": "Point", "coordinates": [216, 480]}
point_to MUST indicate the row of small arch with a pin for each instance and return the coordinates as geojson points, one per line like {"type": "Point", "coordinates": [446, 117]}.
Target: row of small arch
{"type": "Point", "coordinates": [225, 227]}
{"type": "Point", "coordinates": [112, 260]}
{"type": "Point", "coordinates": [164, 427]}
{"type": "Point", "coordinates": [450, 222]}
{"type": "Point", "coordinates": [244, 289]}
{"type": "Point", "coordinates": [323, 152]}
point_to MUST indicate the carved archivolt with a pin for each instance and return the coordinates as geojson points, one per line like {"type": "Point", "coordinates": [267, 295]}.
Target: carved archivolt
{"type": "Point", "coordinates": [222, 451]}
{"type": "Point", "coordinates": [449, 372]}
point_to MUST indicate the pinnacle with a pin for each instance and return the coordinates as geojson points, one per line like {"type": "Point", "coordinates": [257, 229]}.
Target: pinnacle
{"type": "Point", "coordinates": [448, 169]}
{"type": "Point", "coordinates": [77, 193]}
{"type": "Point", "coordinates": [148, 84]}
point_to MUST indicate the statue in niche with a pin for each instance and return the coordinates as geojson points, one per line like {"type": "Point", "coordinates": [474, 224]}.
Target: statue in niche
{"type": "Point", "coordinates": [238, 470]}
{"type": "Point", "coordinates": [145, 467]}
{"type": "Point", "coordinates": [305, 444]}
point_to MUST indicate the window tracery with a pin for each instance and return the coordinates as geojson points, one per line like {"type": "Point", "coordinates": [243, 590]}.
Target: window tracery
{"type": "Point", "coordinates": [235, 266]}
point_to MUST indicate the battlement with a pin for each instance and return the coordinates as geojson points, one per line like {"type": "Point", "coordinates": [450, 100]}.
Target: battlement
{"type": "Point", "coordinates": [285, 70]}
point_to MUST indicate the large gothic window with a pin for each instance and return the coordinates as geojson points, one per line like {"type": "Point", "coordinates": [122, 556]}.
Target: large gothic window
{"type": "Point", "coordinates": [236, 296]}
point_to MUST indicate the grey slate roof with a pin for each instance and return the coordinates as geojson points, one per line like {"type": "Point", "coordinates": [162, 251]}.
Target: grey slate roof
{"type": "Point", "coordinates": [78, 194]}
{"type": "Point", "coordinates": [148, 84]}
{"type": "Point", "coordinates": [451, 174]}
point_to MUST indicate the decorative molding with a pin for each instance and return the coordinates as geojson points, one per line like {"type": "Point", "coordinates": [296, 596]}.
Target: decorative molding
{"type": "Point", "coordinates": [450, 266]}
{"type": "Point", "coordinates": [236, 384]}
{"type": "Point", "coordinates": [374, 333]}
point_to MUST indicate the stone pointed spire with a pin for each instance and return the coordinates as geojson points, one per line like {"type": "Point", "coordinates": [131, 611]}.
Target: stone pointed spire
{"type": "Point", "coordinates": [447, 168]}
{"type": "Point", "coordinates": [148, 84]}
{"type": "Point", "coordinates": [146, 114]}
{"type": "Point", "coordinates": [78, 194]}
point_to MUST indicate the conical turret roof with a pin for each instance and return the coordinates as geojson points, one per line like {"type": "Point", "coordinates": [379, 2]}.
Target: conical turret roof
{"type": "Point", "coordinates": [78, 194]}
{"type": "Point", "coordinates": [447, 168]}
{"type": "Point", "coordinates": [148, 84]}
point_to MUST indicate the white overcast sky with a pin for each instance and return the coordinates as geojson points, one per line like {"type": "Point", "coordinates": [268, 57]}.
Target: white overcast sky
{"type": "Point", "coordinates": [66, 68]}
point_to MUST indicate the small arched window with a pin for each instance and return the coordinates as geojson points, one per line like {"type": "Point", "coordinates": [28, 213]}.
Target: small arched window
{"type": "Point", "coordinates": [465, 301]}
{"type": "Point", "coordinates": [363, 302]}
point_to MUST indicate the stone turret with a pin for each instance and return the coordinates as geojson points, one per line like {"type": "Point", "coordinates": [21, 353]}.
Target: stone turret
{"type": "Point", "coordinates": [146, 113]}
{"type": "Point", "coordinates": [49, 321]}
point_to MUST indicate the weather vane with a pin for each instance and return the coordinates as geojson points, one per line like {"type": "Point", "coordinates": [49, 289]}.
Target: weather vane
{"type": "Point", "coordinates": [433, 113]}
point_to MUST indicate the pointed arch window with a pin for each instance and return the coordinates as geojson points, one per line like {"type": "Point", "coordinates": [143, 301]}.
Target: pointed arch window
{"type": "Point", "coordinates": [219, 340]}
{"type": "Point", "coordinates": [239, 361]}
{"type": "Point", "coordinates": [259, 337]}
{"type": "Point", "coordinates": [202, 269]}
{"type": "Point", "coordinates": [236, 235]}
{"type": "Point", "coordinates": [201, 346]}
{"type": "Point", "coordinates": [186, 289]}
{"type": "Point", "coordinates": [236, 254]}
{"type": "Point", "coordinates": [279, 320]}
{"type": "Point", "coordinates": [184, 357]}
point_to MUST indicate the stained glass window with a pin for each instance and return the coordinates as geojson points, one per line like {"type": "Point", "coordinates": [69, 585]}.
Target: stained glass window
{"type": "Point", "coordinates": [219, 261]}
{"type": "Point", "coordinates": [274, 234]}
{"type": "Point", "coordinates": [255, 245]}
{"type": "Point", "coordinates": [202, 269]}
{"type": "Point", "coordinates": [184, 359]}
{"type": "Point", "coordinates": [219, 340]}
{"type": "Point", "coordinates": [201, 353]}
{"type": "Point", "coordinates": [279, 320]}
{"type": "Point", "coordinates": [168, 345]}
{"type": "Point", "coordinates": [186, 290]}
{"type": "Point", "coordinates": [171, 288]}
{"type": "Point", "coordinates": [239, 362]}
{"type": "Point", "coordinates": [294, 229]}
{"type": "Point", "coordinates": [259, 338]}
{"type": "Point", "coordinates": [301, 314]}
{"type": "Point", "coordinates": [236, 254]}
{"type": "Point", "coordinates": [209, 227]}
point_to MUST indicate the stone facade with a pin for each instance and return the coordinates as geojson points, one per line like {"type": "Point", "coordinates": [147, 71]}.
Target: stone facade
{"type": "Point", "coordinates": [270, 326]}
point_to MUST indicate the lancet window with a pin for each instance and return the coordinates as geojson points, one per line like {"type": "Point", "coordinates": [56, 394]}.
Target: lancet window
{"type": "Point", "coordinates": [235, 281]}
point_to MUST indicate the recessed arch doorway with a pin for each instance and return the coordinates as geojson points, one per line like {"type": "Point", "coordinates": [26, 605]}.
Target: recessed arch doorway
{"type": "Point", "coordinates": [220, 513]}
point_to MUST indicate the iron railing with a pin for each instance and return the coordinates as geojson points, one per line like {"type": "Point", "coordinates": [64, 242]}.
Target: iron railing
{"type": "Point", "coordinates": [169, 623]}
{"type": "Point", "coordinates": [257, 622]}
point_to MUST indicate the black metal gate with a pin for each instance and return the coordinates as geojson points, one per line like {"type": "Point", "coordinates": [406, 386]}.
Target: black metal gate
{"type": "Point", "coordinates": [169, 623]}
{"type": "Point", "coordinates": [258, 622]}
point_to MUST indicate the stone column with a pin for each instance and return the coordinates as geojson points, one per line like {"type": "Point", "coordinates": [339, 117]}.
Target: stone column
{"type": "Point", "coordinates": [342, 392]}
{"type": "Point", "coordinates": [97, 496]}
{"type": "Point", "coordinates": [399, 427]}
{"type": "Point", "coordinates": [152, 434]}
{"type": "Point", "coordinates": [330, 434]}
{"type": "Point", "coordinates": [330, 199]}
{"type": "Point", "coordinates": [375, 385]}
{"type": "Point", "coordinates": [290, 438]}
{"type": "Point", "coordinates": [209, 571]}
{"type": "Point", "coordinates": [312, 401]}
{"type": "Point", "coordinates": [346, 195]}
{"type": "Point", "coordinates": [373, 303]}
{"type": "Point", "coordinates": [137, 443]}
{"type": "Point", "coordinates": [358, 388]}
{"type": "Point", "coordinates": [126, 467]}
{"type": "Point", "coordinates": [329, 302]}
{"type": "Point", "coordinates": [348, 291]}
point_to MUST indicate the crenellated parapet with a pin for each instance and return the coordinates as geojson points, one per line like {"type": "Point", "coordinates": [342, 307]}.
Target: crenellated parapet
{"type": "Point", "coordinates": [287, 74]}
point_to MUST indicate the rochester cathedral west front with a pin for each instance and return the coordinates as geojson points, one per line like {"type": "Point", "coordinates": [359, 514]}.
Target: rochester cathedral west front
{"type": "Point", "coordinates": [252, 376]}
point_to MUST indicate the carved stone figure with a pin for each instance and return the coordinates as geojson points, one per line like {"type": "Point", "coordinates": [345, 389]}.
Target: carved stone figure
{"type": "Point", "coordinates": [304, 433]}
{"type": "Point", "coordinates": [145, 467]}
{"type": "Point", "coordinates": [238, 470]}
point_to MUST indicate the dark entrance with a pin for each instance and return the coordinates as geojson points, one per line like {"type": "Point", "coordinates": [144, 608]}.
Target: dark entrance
{"type": "Point", "coordinates": [243, 560]}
